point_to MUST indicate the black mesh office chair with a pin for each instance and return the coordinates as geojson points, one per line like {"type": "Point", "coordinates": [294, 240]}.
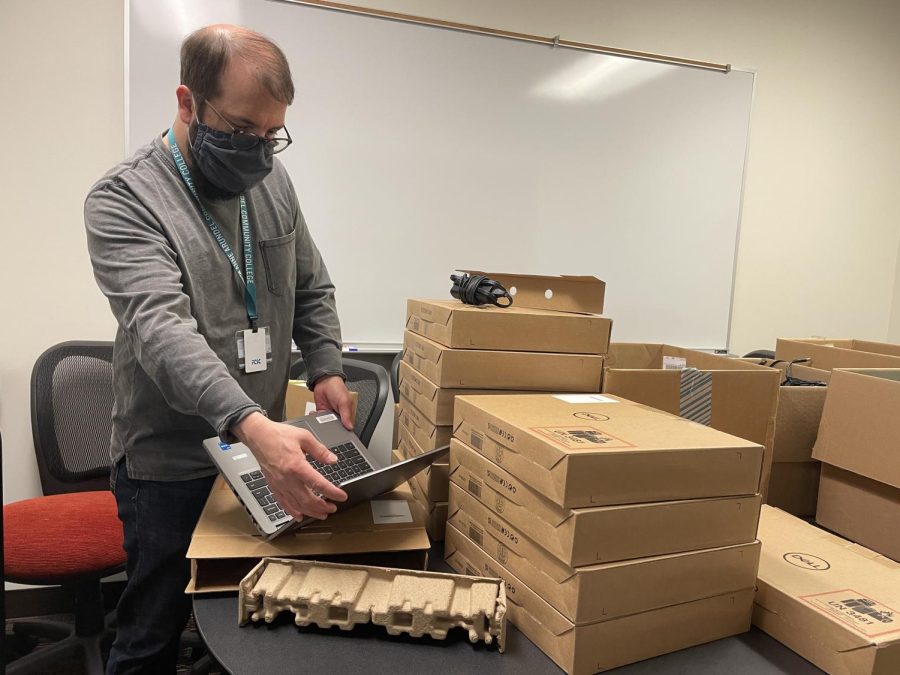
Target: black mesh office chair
{"type": "Point", "coordinates": [71, 536]}
{"type": "Point", "coordinates": [371, 383]}
{"type": "Point", "coordinates": [395, 377]}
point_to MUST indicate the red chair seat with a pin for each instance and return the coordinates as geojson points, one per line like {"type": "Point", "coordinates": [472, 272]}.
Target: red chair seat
{"type": "Point", "coordinates": [55, 538]}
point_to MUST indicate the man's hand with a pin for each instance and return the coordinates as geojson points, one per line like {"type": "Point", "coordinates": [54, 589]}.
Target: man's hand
{"type": "Point", "coordinates": [281, 451]}
{"type": "Point", "coordinates": [331, 394]}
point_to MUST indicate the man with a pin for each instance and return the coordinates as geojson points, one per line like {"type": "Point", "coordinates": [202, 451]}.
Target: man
{"type": "Point", "coordinates": [199, 244]}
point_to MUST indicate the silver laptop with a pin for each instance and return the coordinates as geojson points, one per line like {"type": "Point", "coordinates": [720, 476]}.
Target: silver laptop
{"type": "Point", "coordinates": [357, 472]}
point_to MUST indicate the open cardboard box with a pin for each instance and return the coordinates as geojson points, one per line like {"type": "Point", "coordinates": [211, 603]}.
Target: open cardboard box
{"type": "Point", "coordinates": [226, 546]}
{"type": "Point", "coordinates": [731, 395]}
{"type": "Point", "coordinates": [859, 446]}
{"type": "Point", "coordinates": [794, 481]}
{"type": "Point", "coordinates": [827, 354]}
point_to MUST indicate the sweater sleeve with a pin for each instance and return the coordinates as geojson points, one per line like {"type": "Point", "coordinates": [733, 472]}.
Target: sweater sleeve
{"type": "Point", "coordinates": [136, 268]}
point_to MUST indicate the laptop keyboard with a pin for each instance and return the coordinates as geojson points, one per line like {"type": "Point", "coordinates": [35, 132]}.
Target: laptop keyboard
{"type": "Point", "coordinates": [350, 464]}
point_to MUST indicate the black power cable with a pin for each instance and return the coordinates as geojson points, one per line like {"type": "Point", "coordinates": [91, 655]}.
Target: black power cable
{"type": "Point", "coordinates": [479, 290]}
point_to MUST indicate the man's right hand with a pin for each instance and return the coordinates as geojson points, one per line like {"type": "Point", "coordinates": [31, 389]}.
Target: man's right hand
{"type": "Point", "coordinates": [281, 451]}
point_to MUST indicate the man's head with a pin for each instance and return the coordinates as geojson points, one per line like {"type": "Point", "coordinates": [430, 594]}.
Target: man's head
{"type": "Point", "coordinates": [233, 80]}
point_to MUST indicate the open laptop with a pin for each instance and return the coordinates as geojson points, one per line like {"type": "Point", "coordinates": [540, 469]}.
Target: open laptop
{"type": "Point", "coordinates": [357, 472]}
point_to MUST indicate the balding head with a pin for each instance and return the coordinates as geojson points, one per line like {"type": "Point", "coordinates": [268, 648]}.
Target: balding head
{"type": "Point", "coordinates": [206, 53]}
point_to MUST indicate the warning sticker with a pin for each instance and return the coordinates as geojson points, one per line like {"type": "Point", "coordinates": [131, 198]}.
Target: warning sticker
{"type": "Point", "coordinates": [863, 614]}
{"type": "Point", "coordinates": [574, 438]}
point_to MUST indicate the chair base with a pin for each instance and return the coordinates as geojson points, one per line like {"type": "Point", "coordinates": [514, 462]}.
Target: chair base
{"type": "Point", "coordinates": [66, 646]}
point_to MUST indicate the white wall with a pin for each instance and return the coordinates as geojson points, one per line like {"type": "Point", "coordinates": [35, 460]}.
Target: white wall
{"type": "Point", "coordinates": [63, 127]}
{"type": "Point", "coordinates": [820, 233]}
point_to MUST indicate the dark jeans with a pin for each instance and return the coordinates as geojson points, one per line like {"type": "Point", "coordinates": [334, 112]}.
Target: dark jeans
{"type": "Point", "coordinates": [158, 519]}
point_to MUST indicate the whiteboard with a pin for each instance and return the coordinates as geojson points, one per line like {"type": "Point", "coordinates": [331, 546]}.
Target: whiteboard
{"type": "Point", "coordinates": [421, 150]}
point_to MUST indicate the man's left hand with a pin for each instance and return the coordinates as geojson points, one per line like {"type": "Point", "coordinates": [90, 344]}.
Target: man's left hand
{"type": "Point", "coordinates": [331, 393]}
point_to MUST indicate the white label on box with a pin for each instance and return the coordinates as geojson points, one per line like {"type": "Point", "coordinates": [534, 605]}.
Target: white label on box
{"type": "Point", "coordinates": [326, 418]}
{"type": "Point", "coordinates": [310, 408]}
{"type": "Point", "coordinates": [386, 511]}
{"type": "Point", "coordinates": [674, 362]}
{"type": "Point", "coordinates": [584, 398]}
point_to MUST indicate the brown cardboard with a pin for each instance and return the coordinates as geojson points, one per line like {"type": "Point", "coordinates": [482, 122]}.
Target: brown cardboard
{"type": "Point", "coordinates": [804, 575]}
{"type": "Point", "coordinates": [225, 544]}
{"type": "Point", "coordinates": [588, 536]}
{"type": "Point", "coordinates": [435, 512]}
{"type": "Point", "coordinates": [828, 354]}
{"type": "Point", "coordinates": [614, 641]}
{"type": "Point", "coordinates": [426, 434]}
{"type": "Point", "coordinates": [403, 601]}
{"type": "Point", "coordinates": [860, 424]}
{"type": "Point", "coordinates": [794, 487]}
{"type": "Point", "coordinates": [482, 369]}
{"type": "Point", "coordinates": [433, 480]}
{"type": "Point", "coordinates": [518, 329]}
{"type": "Point", "coordinates": [861, 509]}
{"type": "Point", "coordinates": [433, 402]}
{"type": "Point", "coordinates": [298, 399]}
{"type": "Point", "coordinates": [743, 397]}
{"type": "Point", "coordinates": [603, 450]}
{"type": "Point", "coordinates": [613, 590]}
{"type": "Point", "coordinates": [567, 293]}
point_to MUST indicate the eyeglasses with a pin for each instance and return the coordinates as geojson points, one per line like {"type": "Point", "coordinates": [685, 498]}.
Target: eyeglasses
{"type": "Point", "coordinates": [247, 140]}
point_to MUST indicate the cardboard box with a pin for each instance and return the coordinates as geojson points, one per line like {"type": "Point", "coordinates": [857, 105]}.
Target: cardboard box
{"type": "Point", "coordinates": [600, 450]}
{"type": "Point", "coordinates": [434, 481]}
{"type": "Point", "coordinates": [860, 426]}
{"type": "Point", "coordinates": [606, 591]}
{"type": "Point", "coordinates": [435, 512]}
{"type": "Point", "coordinates": [828, 354]}
{"type": "Point", "coordinates": [481, 369]}
{"type": "Point", "coordinates": [426, 434]}
{"type": "Point", "coordinates": [433, 402]}
{"type": "Point", "coordinates": [861, 509]}
{"type": "Point", "coordinates": [833, 602]}
{"type": "Point", "coordinates": [593, 535]}
{"type": "Point", "coordinates": [602, 645]}
{"type": "Point", "coordinates": [794, 487]}
{"type": "Point", "coordinates": [609, 533]}
{"type": "Point", "coordinates": [299, 400]}
{"type": "Point", "coordinates": [518, 328]}
{"type": "Point", "coordinates": [731, 395]}
{"type": "Point", "coordinates": [225, 545]}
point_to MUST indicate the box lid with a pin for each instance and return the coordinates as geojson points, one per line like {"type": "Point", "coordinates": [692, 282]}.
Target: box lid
{"type": "Point", "coordinates": [860, 426]}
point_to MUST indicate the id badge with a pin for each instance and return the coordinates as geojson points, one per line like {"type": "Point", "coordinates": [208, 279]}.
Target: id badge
{"type": "Point", "coordinates": [254, 349]}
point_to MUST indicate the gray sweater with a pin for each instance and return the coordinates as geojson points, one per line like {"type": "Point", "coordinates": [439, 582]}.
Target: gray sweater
{"type": "Point", "coordinates": [179, 304]}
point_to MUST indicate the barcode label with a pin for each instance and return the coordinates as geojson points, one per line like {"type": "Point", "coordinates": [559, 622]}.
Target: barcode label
{"type": "Point", "coordinates": [475, 487]}
{"type": "Point", "coordinates": [476, 535]}
{"type": "Point", "coordinates": [477, 441]}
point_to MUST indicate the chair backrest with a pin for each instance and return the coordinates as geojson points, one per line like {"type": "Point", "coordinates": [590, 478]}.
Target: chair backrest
{"type": "Point", "coordinates": [395, 377]}
{"type": "Point", "coordinates": [71, 416]}
{"type": "Point", "coordinates": [371, 383]}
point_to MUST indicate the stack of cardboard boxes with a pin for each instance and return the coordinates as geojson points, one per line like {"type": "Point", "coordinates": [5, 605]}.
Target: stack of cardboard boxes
{"type": "Point", "coordinates": [621, 532]}
{"type": "Point", "coordinates": [552, 339]}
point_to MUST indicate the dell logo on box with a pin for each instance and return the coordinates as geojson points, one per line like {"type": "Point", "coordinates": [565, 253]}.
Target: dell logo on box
{"type": "Point", "coordinates": [807, 561]}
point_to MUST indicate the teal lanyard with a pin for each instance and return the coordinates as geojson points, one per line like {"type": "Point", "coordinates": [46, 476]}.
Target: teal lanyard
{"type": "Point", "coordinates": [248, 278]}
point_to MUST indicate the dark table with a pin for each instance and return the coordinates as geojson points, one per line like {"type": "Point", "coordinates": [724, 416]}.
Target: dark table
{"type": "Point", "coordinates": [282, 647]}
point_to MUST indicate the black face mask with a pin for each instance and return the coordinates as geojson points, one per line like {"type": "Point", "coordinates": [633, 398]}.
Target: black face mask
{"type": "Point", "coordinates": [226, 172]}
